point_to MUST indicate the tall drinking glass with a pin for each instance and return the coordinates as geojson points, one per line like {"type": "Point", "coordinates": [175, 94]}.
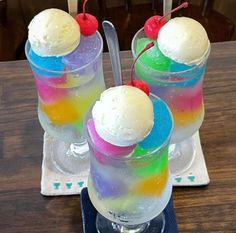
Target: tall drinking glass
{"type": "Point", "coordinates": [183, 93]}
{"type": "Point", "coordinates": [64, 96]}
{"type": "Point", "coordinates": [130, 192]}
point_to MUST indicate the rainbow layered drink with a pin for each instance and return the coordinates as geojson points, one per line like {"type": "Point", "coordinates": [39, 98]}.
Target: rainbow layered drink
{"type": "Point", "coordinates": [128, 134]}
{"type": "Point", "coordinates": [174, 69]}
{"type": "Point", "coordinates": [67, 67]}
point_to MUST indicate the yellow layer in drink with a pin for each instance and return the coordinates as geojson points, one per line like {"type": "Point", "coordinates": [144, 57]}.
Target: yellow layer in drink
{"type": "Point", "coordinates": [183, 118]}
{"type": "Point", "coordinates": [70, 110]}
{"type": "Point", "coordinates": [152, 186]}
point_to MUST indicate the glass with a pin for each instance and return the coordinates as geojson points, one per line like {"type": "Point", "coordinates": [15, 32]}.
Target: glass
{"type": "Point", "coordinates": [64, 97]}
{"type": "Point", "coordinates": [130, 192]}
{"type": "Point", "coordinates": [183, 93]}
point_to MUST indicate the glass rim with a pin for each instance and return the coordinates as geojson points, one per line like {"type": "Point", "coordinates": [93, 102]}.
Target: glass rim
{"type": "Point", "coordinates": [64, 71]}
{"type": "Point", "coordinates": [124, 158]}
{"type": "Point", "coordinates": [166, 72]}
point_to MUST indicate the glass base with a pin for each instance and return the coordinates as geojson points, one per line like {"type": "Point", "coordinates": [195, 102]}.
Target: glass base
{"type": "Point", "coordinates": [69, 158]}
{"type": "Point", "coordinates": [181, 156]}
{"type": "Point", "coordinates": [156, 225]}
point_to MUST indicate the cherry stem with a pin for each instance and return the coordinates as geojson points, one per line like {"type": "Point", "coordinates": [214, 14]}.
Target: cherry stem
{"type": "Point", "coordinates": [84, 5]}
{"type": "Point", "coordinates": [183, 5]}
{"type": "Point", "coordinates": [148, 46]}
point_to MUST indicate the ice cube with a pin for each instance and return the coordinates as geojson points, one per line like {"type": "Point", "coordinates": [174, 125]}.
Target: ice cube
{"type": "Point", "coordinates": [178, 67]}
{"type": "Point", "coordinates": [161, 128]}
{"type": "Point", "coordinates": [153, 57]}
{"type": "Point", "coordinates": [43, 65]}
{"type": "Point", "coordinates": [87, 50]}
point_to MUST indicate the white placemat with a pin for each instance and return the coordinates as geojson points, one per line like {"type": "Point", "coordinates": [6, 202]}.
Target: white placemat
{"type": "Point", "coordinates": [54, 182]}
{"type": "Point", "coordinates": [197, 174]}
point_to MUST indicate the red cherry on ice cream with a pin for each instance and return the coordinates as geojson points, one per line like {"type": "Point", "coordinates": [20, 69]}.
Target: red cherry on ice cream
{"type": "Point", "coordinates": [153, 25]}
{"type": "Point", "coordinates": [87, 22]}
{"type": "Point", "coordinates": [140, 84]}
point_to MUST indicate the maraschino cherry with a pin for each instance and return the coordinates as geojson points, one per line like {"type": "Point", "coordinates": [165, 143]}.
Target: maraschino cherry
{"type": "Point", "coordinates": [153, 25]}
{"type": "Point", "coordinates": [87, 22]}
{"type": "Point", "coordinates": [140, 84]}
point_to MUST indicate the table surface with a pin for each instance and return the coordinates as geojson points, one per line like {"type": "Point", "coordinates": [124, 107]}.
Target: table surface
{"type": "Point", "coordinates": [198, 209]}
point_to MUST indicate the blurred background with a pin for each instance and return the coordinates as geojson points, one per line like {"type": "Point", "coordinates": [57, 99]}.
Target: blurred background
{"type": "Point", "coordinates": [217, 16]}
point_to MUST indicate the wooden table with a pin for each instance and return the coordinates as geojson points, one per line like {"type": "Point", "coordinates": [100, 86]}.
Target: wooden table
{"type": "Point", "coordinates": [200, 209]}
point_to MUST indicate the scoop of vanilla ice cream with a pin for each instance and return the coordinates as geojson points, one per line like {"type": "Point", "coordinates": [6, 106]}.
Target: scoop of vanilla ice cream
{"type": "Point", "coordinates": [123, 116]}
{"type": "Point", "coordinates": [53, 32]}
{"type": "Point", "coordinates": [184, 40]}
